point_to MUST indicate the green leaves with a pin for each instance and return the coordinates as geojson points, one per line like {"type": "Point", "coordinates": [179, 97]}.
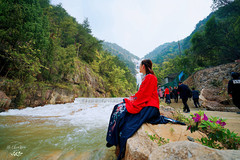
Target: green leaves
{"type": "Point", "coordinates": [41, 42]}
{"type": "Point", "coordinates": [218, 43]}
{"type": "Point", "coordinates": [159, 140]}
{"type": "Point", "coordinates": [217, 136]}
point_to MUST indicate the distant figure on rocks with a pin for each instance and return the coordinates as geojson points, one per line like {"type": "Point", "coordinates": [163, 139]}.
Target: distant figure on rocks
{"type": "Point", "coordinates": [175, 94]}
{"type": "Point", "coordinates": [128, 116]}
{"type": "Point", "coordinates": [167, 95]}
{"type": "Point", "coordinates": [160, 92]}
{"type": "Point", "coordinates": [195, 97]}
{"type": "Point", "coordinates": [185, 93]}
{"type": "Point", "coordinates": [234, 89]}
{"type": "Point", "coordinates": [170, 92]}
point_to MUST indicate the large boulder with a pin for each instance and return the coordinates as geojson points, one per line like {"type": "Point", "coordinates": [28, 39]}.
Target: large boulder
{"type": "Point", "coordinates": [167, 111]}
{"type": "Point", "coordinates": [211, 100]}
{"type": "Point", "coordinates": [5, 101]}
{"type": "Point", "coordinates": [50, 96]}
{"type": "Point", "coordinates": [190, 150]}
{"type": "Point", "coordinates": [141, 147]}
{"type": "Point", "coordinates": [213, 82]}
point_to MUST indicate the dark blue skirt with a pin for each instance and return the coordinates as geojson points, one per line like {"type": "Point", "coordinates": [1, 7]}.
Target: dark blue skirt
{"type": "Point", "coordinates": [123, 125]}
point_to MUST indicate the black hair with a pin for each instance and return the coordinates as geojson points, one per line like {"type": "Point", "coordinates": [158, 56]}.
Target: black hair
{"type": "Point", "coordinates": [235, 75]}
{"type": "Point", "coordinates": [148, 65]}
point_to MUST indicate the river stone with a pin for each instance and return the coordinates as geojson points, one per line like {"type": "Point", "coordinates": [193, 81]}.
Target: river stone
{"type": "Point", "coordinates": [59, 96]}
{"type": "Point", "coordinates": [140, 146]}
{"type": "Point", "coordinates": [211, 101]}
{"type": "Point", "coordinates": [167, 111]}
{"type": "Point", "coordinates": [5, 101]}
{"type": "Point", "coordinates": [189, 150]}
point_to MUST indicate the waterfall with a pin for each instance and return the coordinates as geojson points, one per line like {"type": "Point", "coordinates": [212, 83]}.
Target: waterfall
{"type": "Point", "coordinates": [138, 75]}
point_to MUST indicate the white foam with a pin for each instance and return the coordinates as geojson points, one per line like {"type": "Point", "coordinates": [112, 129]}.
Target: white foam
{"type": "Point", "coordinates": [85, 112]}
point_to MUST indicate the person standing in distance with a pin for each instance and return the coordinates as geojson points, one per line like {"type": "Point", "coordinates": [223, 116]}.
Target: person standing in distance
{"type": "Point", "coordinates": [167, 95]}
{"type": "Point", "coordinates": [185, 93]}
{"type": "Point", "coordinates": [175, 94]}
{"type": "Point", "coordinates": [234, 89]}
{"type": "Point", "coordinates": [195, 97]}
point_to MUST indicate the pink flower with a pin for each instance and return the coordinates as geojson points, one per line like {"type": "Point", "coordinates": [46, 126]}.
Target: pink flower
{"type": "Point", "coordinates": [197, 118]}
{"type": "Point", "coordinates": [189, 127]}
{"type": "Point", "coordinates": [221, 123]}
{"type": "Point", "coordinates": [205, 118]}
{"type": "Point", "coordinates": [218, 121]}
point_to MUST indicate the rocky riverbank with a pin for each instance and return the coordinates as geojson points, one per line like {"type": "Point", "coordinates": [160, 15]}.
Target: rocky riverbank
{"type": "Point", "coordinates": [17, 94]}
{"type": "Point", "coordinates": [181, 144]}
{"type": "Point", "coordinates": [34, 95]}
{"type": "Point", "coordinates": [83, 82]}
{"type": "Point", "coordinates": [212, 83]}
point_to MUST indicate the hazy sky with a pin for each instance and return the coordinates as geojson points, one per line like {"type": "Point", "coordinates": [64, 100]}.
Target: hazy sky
{"type": "Point", "coordinates": [139, 26]}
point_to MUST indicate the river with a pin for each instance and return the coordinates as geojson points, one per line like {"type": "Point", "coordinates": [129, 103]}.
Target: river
{"type": "Point", "coordinates": [70, 131]}
{"type": "Point", "coordinates": [62, 131]}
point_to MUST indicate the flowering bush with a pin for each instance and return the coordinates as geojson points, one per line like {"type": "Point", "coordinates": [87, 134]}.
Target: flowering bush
{"type": "Point", "coordinates": [217, 136]}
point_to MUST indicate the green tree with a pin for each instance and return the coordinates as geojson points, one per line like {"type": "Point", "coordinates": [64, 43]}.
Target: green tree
{"type": "Point", "coordinates": [24, 37]}
{"type": "Point", "coordinates": [220, 3]}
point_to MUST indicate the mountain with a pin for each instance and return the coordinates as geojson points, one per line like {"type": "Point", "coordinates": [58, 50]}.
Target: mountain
{"type": "Point", "coordinates": [41, 45]}
{"type": "Point", "coordinates": [171, 49]}
{"type": "Point", "coordinates": [122, 54]}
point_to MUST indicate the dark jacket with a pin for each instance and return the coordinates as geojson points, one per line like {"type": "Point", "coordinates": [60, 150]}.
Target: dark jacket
{"type": "Point", "coordinates": [184, 90]}
{"type": "Point", "coordinates": [195, 94]}
{"type": "Point", "coordinates": [234, 88]}
{"type": "Point", "coordinates": [175, 92]}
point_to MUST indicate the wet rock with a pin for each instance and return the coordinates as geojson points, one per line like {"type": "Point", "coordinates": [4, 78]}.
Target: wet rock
{"type": "Point", "coordinates": [5, 101]}
{"type": "Point", "coordinates": [59, 96]}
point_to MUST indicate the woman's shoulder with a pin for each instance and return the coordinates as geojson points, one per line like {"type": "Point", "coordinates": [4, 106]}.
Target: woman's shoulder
{"type": "Point", "coordinates": [150, 77]}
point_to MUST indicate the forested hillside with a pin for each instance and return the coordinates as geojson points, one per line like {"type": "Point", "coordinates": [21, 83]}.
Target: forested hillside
{"type": "Point", "coordinates": [123, 55]}
{"type": "Point", "coordinates": [171, 49]}
{"type": "Point", "coordinates": [216, 41]}
{"type": "Point", "coordinates": [40, 42]}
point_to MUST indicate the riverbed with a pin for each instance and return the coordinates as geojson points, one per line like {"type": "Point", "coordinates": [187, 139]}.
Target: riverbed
{"type": "Point", "coordinates": [62, 131]}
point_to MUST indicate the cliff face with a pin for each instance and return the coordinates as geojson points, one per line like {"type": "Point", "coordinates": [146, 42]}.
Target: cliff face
{"type": "Point", "coordinates": [86, 82]}
{"type": "Point", "coordinates": [212, 82]}
{"type": "Point", "coordinates": [83, 82]}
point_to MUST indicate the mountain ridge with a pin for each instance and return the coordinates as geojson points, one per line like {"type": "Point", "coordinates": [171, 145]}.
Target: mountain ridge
{"type": "Point", "coordinates": [171, 49]}
{"type": "Point", "coordinates": [123, 54]}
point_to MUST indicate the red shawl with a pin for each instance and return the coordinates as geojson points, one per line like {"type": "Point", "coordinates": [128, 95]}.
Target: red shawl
{"type": "Point", "coordinates": [146, 95]}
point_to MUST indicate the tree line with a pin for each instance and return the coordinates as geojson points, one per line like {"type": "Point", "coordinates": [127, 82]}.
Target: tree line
{"type": "Point", "coordinates": [217, 43]}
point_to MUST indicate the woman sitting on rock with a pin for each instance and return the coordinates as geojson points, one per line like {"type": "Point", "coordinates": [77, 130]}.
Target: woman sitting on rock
{"type": "Point", "coordinates": [128, 116]}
